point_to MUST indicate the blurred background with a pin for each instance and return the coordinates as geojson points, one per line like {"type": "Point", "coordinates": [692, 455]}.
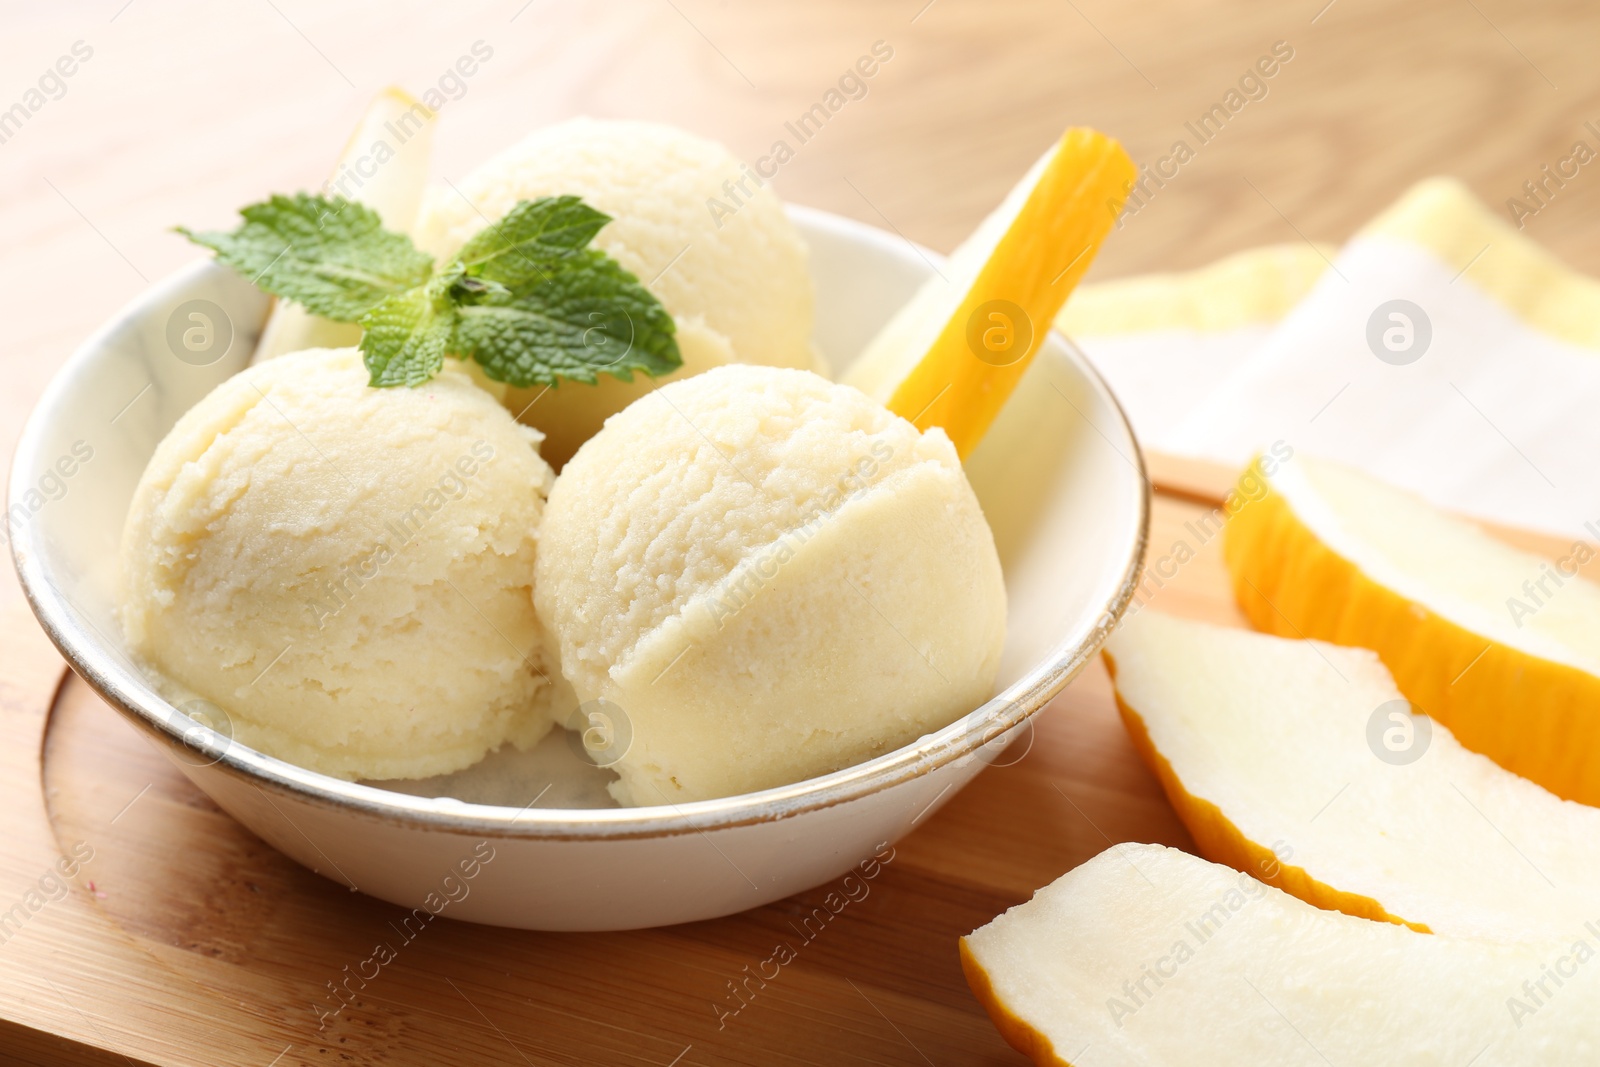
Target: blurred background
{"type": "Point", "coordinates": [185, 110]}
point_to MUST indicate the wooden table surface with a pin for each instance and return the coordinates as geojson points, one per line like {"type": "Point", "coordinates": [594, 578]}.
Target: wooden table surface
{"type": "Point", "coordinates": [184, 939]}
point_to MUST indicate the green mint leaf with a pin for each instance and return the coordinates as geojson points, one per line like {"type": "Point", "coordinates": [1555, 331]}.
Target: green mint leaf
{"type": "Point", "coordinates": [330, 254]}
{"type": "Point", "coordinates": [527, 298]}
{"type": "Point", "coordinates": [404, 338]}
{"type": "Point", "coordinates": [585, 316]}
{"type": "Point", "coordinates": [518, 250]}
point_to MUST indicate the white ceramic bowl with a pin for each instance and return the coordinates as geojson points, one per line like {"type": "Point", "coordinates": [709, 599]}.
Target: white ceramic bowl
{"type": "Point", "coordinates": [1060, 478]}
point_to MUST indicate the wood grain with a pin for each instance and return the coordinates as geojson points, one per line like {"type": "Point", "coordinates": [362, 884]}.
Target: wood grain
{"type": "Point", "coordinates": [251, 938]}
{"type": "Point", "coordinates": [197, 944]}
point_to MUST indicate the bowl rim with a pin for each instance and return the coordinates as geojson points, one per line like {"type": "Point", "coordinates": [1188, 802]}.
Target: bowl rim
{"type": "Point", "coordinates": [135, 698]}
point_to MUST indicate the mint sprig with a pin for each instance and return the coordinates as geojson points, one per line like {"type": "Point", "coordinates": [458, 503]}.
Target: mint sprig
{"type": "Point", "coordinates": [526, 298]}
{"type": "Point", "coordinates": [332, 256]}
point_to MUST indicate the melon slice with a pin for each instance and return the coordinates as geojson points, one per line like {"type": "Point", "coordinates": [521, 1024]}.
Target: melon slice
{"type": "Point", "coordinates": [1265, 745]}
{"type": "Point", "coordinates": [1148, 956]}
{"type": "Point", "coordinates": [384, 165]}
{"type": "Point", "coordinates": [1500, 645]}
{"type": "Point", "coordinates": [952, 355]}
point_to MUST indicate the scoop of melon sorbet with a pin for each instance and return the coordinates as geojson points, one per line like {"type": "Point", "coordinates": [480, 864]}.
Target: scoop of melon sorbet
{"type": "Point", "coordinates": [346, 571]}
{"type": "Point", "coordinates": [768, 577]}
{"type": "Point", "coordinates": [726, 262]}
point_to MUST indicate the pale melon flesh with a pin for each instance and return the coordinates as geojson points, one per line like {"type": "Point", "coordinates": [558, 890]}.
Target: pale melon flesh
{"type": "Point", "coordinates": [1146, 955]}
{"type": "Point", "coordinates": [1312, 746]}
{"type": "Point", "coordinates": [1448, 564]}
{"type": "Point", "coordinates": [1496, 643]}
{"type": "Point", "coordinates": [384, 165]}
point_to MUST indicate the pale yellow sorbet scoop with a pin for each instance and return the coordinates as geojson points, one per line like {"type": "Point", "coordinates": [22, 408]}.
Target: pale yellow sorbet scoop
{"type": "Point", "coordinates": [346, 571]}
{"type": "Point", "coordinates": [768, 577]}
{"type": "Point", "coordinates": [721, 256]}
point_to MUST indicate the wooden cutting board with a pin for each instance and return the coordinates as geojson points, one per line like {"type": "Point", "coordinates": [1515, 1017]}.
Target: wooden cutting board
{"type": "Point", "coordinates": [183, 940]}
{"type": "Point", "coordinates": [186, 939]}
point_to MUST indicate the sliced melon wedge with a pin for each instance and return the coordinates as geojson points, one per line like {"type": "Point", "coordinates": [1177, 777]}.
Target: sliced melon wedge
{"type": "Point", "coordinates": [384, 165]}
{"type": "Point", "coordinates": [952, 355]}
{"type": "Point", "coordinates": [1501, 646]}
{"type": "Point", "coordinates": [1265, 744]}
{"type": "Point", "coordinates": [1148, 956]}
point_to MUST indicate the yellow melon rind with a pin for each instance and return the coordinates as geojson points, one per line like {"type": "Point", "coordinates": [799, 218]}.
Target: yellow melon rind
{"type": "Point", "coordinates": [1017, 1033]}
{"type": "Point", "coordinates": [1038, 261]}
{"type": "Point", "coordinates": [1220, 840]}
{"type": "Point", "coordinates": [1535, 717]}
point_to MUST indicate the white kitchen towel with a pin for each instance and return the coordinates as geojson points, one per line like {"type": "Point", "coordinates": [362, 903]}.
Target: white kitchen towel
{"type": "Point", "coordinates": [1166, 342]}
{"type": "Point", "coordinates": [1443, 351]}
